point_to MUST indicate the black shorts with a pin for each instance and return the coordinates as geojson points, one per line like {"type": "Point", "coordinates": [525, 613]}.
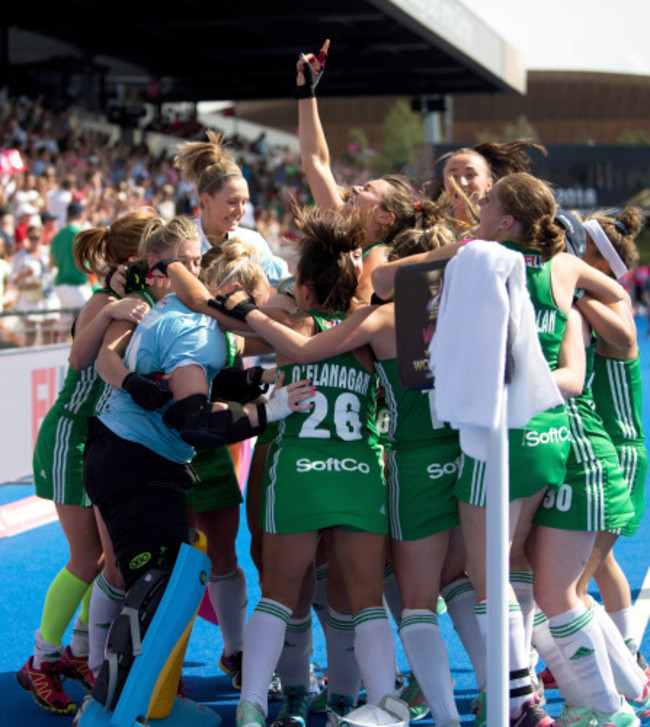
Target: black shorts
{"type": "Point", "coordinates": [141, 497]}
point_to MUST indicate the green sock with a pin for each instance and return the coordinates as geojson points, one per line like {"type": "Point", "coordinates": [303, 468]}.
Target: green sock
{"type": "Point", "coordinates": [61, 604]}
{"type": "Point", "coordinates": [84, 613]}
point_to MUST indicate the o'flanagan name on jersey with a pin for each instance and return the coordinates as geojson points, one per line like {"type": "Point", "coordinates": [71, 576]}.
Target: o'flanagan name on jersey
{"type": "Point", "coordinates": [333, 375]}
{"type": "Point", "coordinates": [545, 320]}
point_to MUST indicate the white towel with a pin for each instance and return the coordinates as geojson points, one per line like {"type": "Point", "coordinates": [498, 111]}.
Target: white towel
{"type": "Point", "coordinates": [485, 299]}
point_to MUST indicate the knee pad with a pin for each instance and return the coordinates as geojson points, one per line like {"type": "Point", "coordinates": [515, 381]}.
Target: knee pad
{"type": "Point", "coordinates": [156, 613]}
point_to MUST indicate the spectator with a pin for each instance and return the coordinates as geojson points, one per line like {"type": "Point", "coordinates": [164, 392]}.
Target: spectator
{"type": "Point", "coordinates": [5, 272]}
{"type": "Point", "coordinates": [60, 197]}
{"type": "Point", "coordinates": [50, 226]}
{"type": "Point", "coordinates": [33, 278]}
{"type": "Point", "coordinates": [71, 285]}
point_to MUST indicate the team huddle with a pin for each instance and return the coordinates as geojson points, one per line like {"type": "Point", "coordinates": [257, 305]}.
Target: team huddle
{"type": "Point", "coordinates": [359, 499]}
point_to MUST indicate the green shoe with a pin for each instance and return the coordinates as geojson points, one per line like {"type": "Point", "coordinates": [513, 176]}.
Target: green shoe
{"type": "Point", "coordinates": [573, 715]}
{"type": "Point", "coordinates": [294, 708]}
{"type": "Point", "coordinates": [623, 717]}
{"type": "Point", "coordinates": [412, 695]}
{"type": "Point", "coordinates": [318, 703]}
{"type": "Point", "coordinates": [249, 715]}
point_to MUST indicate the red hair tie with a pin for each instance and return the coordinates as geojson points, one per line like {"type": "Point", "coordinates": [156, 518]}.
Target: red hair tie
{"type": "Point", "coordinates": [417, 206]}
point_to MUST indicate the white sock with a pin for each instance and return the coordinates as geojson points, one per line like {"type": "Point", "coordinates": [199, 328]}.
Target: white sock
{"type": "Point", "coordinates": [522, 585]}
{"type": "Point", "coordinates": [625, 622]}
{"type": "Point", "coordinates": [521, 688]}
{"type": "Point", "coordinates": [427, 656]}
{"type": "Point", "coordinates": [583, 647]}
{"type": "Point", "coordinates": [629, 678]}
{"type": "Point", "coordinates": [554, 660]}
{"type": "Point", "coordinates": [79, 642]}
{"type": "Point", "coordinates": [319, 599]}
{"type": "Point", "coordinates": [343, 676]}
{"type": "Point", "coordinates": [263, 641]}
{"type": "Point", "coordinates": [374, 647]}
{"type": "Point", "coordinates": [105, 605]}
{"type": "Point", "coordinates": [229, 599]}
{"type": "Point", "coordinates": [460, 598]}
{"type": "Point", "coordinates": [44, 651]}
{"type": "Point", "coordinates": [293, 666]}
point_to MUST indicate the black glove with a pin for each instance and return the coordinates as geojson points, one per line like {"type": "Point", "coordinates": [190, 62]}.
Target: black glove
{"type": "Point", "coordinates": [312, 79]}
{"type": "Point", "coordinates": [107, 281]}
{"type": "Point", "coordinates": [242, 385]}
{"type": "Point", "coordinates": [239, 311]}
{"type": "Point", "coordinates": [161, 265]}
{"type": "Point", "coordinates": [136, 276]}
{"type": "Point", "coordinates": [148, 391]}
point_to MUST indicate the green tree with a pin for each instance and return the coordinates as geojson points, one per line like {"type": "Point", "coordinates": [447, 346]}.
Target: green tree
{"type": "Point", "coordinates": [520, 129]}
{"type": "Point", "coordinates": [403, 132]}
{"type": "Point", "coordinates": [634, 137]}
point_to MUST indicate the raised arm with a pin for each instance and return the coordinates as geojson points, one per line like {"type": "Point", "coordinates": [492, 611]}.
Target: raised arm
{"type": "Point", "coordinates": [314, 151]}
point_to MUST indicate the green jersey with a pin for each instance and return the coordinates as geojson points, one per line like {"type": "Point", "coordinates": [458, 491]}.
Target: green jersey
{"type": "Point", "coordinates": [617, 392]}
{"type": "Point", "coordinates": [325, 467]}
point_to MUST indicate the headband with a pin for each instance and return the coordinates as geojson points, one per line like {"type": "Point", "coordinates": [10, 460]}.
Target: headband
{"type": "Point", "coordinates": [216, 179]}
{"type": "Point", "coordinates": [232, 272]}
{"type": "Point", "coordinates": [605, 247]}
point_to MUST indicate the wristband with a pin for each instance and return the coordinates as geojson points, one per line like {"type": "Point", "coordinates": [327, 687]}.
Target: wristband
{"type": "Point", "coordinates": [161, 265]}
{"type": "Point", "coordinates": [312, 79]}
{"type": "Point", "coordinates": [239, 311]}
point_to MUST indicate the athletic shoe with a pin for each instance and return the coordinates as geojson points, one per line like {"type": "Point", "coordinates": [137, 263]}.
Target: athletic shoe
{"type": "Point", "coordinates": [76, 667]}
{"type": "Point", "coordinates": [479, 707]}
{"type": "Point", "coordinates": [623, 717]}
{"type": "Point", "coordinates": [46, 686]}
{"type": "Point", "coordinates": [337, 708]}
{"type": "Point", "coordinates": [231, 665]}
{"type": "Point", "coordinates": [548, 680]}
{"type": "Point", "coordinates": [248, 715]}
{"type": "Point", "coordinates": [412, 695]}
{"type": "Point", "coordinates": [294, 708]}
{"type": "Point", "coordinates": [641, 707]}
{"type": "Point", "coordinates": [318, 703]}
{"type": "Point", "coordinates": [574, 716]}
{"type": "Point", "coordinates": [531, 715]}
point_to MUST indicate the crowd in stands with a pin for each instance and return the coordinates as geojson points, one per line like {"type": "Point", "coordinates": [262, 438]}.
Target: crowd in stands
{"type": "Point", "coordinates": [65, 161]}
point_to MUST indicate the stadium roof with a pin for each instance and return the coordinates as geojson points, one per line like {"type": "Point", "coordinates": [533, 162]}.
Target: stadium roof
{"type": "Point", "coordinates": [197, 50]}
